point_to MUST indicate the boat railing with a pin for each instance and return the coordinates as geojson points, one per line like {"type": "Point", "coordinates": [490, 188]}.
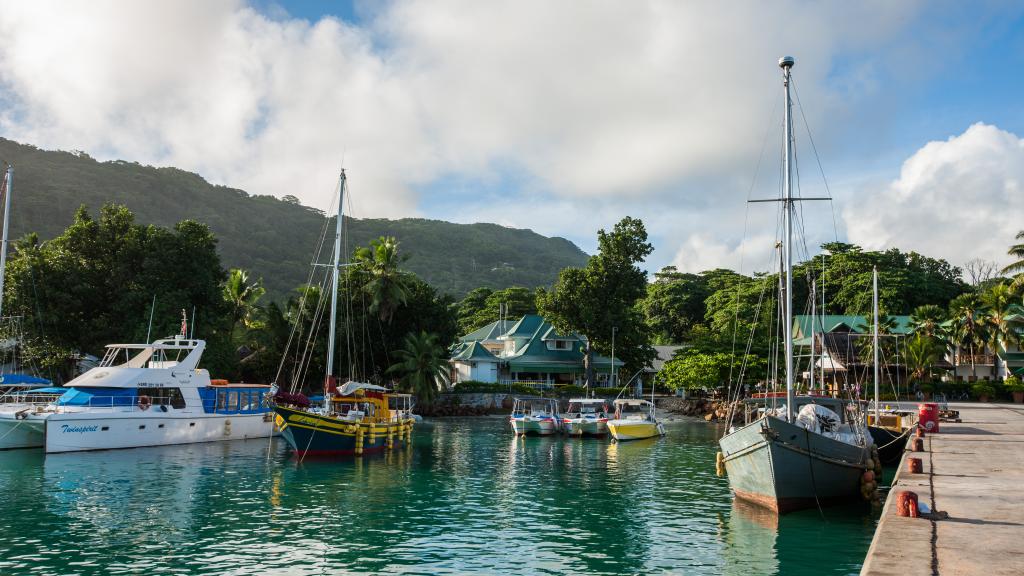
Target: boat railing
{"type": "Point", "coordinates": [29, 399]}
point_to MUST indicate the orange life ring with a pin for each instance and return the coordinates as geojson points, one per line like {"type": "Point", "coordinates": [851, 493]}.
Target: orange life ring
{"type": "Point", "coordinates": [145, 402]}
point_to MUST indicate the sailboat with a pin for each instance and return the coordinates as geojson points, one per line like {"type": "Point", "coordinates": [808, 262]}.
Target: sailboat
{"type": "Point", "coordinates": [814, 449]}
{"type": "Point", "coordinates": [356, 418]}
{"type": "Point", "coordinates": [886, 429]}
{"type": "Point", "coordinates": [19, 393]}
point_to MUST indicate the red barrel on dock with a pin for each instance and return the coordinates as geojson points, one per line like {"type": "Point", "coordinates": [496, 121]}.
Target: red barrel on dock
{"type": "Point", "coordinates": [928, 416]}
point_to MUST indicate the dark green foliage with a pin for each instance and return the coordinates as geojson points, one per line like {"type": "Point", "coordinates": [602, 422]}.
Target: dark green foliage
{"type": "Point", "coordinates": [473, 386]}
{"type": "Point", "coordinates": [421, 365]}
{"type": "Point", "coordinates": [94, 284]}
{"type": "Point", "coordinates": [481, 306]}
{"type": "Point", "coordinates": [272, 238]}
{"type": "Point", "coordinates": [674, 304]}
{"type": "Point", "coordinates": [594, 300]}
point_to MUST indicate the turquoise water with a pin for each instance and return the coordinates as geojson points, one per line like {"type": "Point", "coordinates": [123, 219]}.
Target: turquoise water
{"type": "Point", "coordinates": [466, 498]}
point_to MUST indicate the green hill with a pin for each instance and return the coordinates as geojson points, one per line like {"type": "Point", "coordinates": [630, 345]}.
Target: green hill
{"type": "Point", "coordinates": [273, 238]}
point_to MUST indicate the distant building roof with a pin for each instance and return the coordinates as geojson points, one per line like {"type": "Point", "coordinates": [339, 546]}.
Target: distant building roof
{"type": "Point", "coordinates": [491, 331]}
{"type": "Point", "coordinates": [474, 351]}
{"type": "Point", "coordinates": [841, 323]}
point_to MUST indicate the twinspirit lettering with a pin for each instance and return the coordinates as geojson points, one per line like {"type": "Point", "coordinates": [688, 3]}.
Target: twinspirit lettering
{"type": "Point", "coordinates": [68, 429]}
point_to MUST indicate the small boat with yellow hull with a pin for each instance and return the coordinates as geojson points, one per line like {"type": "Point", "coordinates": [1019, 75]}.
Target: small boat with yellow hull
{"type": "Point", "coordinates": [361, 419]}
{"type": "Point", "coordinates": [634, 420]}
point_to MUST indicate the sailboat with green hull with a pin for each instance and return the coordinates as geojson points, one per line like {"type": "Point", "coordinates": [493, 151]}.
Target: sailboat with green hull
{"type": "Point", "coordinates": [795, 451]}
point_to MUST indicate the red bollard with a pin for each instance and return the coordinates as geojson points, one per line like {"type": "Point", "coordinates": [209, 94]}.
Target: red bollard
{"type": "Point", "coordinates": [919, 433]}
{"type": "Point", "coordinates": [917, 445]}
{"type": "Point", "coordinates": [915, 466]}
{"type": "Point", "coordinates": [906, 504]}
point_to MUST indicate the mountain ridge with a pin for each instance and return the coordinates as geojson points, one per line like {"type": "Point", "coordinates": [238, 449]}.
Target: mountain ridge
{"type": "Point", "coordinates": [273, 238]}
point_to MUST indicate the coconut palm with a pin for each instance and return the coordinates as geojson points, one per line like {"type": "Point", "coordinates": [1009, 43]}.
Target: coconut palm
{"type": "Point", "coordinates": [1002, 315]}
{"type": "Point", "coordinates": [1017, 251]}
{"type": "Point", "coordinates": [922, 352]}
{"type": "Point", "coordinates": [927, 319]}
{"type": "Point", "coordinates": [968, 327]}
{"type": "Point", "coordinates": [421, 365]}
{"type": "Point", "coordinates": [241, 296]}
{"type": "Point", "coordinates": [385, 283]}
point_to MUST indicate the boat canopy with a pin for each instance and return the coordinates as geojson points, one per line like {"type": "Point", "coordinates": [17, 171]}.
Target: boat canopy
{"type": "Point", "coordinates": [48, 390]}
{"type": "Point", "coordinates": [350, 388]}
{"type": "Point", "coordinates": [21, 379]}
{"type": "Point", "coordinates": [98, 396]}
{"type": "Point", "coordinates": [632, 402]}
{"type": "Point", "coordinates": [595, 401]}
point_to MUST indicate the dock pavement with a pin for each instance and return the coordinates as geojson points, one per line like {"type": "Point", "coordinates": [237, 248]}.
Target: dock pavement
{"type": "Point", "coordinates": [973, 471]}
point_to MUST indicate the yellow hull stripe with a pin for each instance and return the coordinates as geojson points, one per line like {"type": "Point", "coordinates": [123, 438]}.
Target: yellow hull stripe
{"type": "Point", "coordinates": [633, 431]}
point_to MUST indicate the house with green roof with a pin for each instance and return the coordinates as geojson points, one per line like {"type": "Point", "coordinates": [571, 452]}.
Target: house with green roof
{"type": "Point", "coordinates": [836, 349]}
{"type": "Point", "coordinates": [528, 351]}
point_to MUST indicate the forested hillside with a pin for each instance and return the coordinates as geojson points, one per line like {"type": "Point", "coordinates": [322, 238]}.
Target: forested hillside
{"type": "Point", "coordinates": [272, 238]}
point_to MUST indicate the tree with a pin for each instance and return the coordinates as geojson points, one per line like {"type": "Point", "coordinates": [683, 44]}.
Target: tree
{"type": "Point", "coordinates": [385, 282]}
{"type": "Point", "coordinates": [967, 326]}
{"type": "Point", "coordinates": [482, 306]}
{"type": "Point", "coordinates": [674, 304]}
{"type": "Point", "coordinates": [602, 296]}
{"type": "Point", "coordinates": [980, 271]}
{"type": "Point", "coordinates": [95, 282]}
{"type": "Point", "coordinates": [694, 370]}
{"type": "Point", "coordinates": [421, 365]}
{"type": "Point", "coordinates": [241, 296]}
{"type": "Point", "coordinates": [1002, 316]}
{"type": "Point", "coordinates": [922, 352]}
{"type": "Point", "coordinates": [1017, 251]}
{"type": "Point", "coordinates": [927, 319]}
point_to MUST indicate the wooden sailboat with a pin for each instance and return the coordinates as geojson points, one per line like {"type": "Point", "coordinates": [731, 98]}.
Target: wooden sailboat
{"type": "Point", "coordinates": [357, 418]}
{"type": "Point", "coordinates": [814, 449]}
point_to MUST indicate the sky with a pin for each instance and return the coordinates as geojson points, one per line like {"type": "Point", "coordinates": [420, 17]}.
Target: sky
{"type": "Point", "coordinates": [561, 117]}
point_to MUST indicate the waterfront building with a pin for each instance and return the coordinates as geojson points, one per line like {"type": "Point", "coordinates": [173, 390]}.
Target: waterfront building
{"type": "Point", "coordinates": [526, 351]}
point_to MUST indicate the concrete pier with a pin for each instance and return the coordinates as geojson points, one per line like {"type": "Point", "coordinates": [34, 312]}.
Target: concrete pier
{"type": "Point", "coordinates": [974, 472]}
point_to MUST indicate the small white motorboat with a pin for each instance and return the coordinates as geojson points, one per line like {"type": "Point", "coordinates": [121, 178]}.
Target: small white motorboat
{"type": "Point", "coordinates": [535, 416]}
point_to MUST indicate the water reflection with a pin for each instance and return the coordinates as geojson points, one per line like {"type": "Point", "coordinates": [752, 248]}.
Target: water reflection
{"type": "Point", "coordinates": [466, 497]}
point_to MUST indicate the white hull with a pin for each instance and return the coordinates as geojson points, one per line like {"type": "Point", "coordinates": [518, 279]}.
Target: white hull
{"type": "Point", "coordinates": [539, 427]}
{"type": "Point", "coordinates": [20, 433]}
{"type": "Point", "coordinates": [76, 432]}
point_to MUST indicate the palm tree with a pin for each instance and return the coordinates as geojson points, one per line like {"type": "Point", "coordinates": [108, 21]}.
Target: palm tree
{"type": "Point", "coordinates": [241, 295]}
{"type": "Point", "coordinates": [922, 352]}
{"type": "Point", "coordinates": [387, 285]}
{"type": "Point", "coordinates": [1017, 251]}
{"type": "Point", "coordinates": [927, 319]}
{"type": "Point", "coordinates": [421, 365]}
{"type": "Point", "coordinates": [1002, 316]}
{"type": "Point", "coordinates": [968, 325]}
{"type": "Point", "coordinates": [1016, 267]}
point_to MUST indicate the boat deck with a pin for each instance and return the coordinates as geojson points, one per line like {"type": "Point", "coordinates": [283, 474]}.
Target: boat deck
{"type": "Point", "coordinates": [974, 472]}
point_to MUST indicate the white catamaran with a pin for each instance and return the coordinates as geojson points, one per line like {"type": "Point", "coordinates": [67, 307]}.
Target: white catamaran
{"type": "Point", "coordinates": [145, 395]}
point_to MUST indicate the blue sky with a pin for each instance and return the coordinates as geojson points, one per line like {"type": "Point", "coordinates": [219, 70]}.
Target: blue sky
{"type": "Point", "coordinates": [557, 117]}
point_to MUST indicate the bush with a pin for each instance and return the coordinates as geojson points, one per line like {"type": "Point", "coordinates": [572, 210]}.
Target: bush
{"type": "Point", "coordinates": [983, 389]}
{"type": "Point", "coordinates": [477, 387]}
{"type": "Point", "coordinates": [571, 391]}
{"type": "Point", "coordinates": [1013, 384]}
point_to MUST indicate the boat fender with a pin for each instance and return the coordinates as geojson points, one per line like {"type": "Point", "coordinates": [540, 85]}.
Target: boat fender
{"type": "Point", "coordinates": [163, 408]}
{"type": "Point", "coordinates": [914, 465]}
{"type": "Point", "coordinates": [906, 504]}
{"type": "Point", "coordinates": [720, 464]}
{"type": "Point", "coordinates": [227, 426]}
{"type": "Point", "coordinates": [144, 402]}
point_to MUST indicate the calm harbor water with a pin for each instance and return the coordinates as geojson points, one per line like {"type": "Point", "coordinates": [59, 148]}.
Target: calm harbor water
{"type": "Point", "coordinates": [467, 497]}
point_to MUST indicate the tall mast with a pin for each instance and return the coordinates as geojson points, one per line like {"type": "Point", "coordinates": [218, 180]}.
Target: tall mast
{"type": "Point", "coordinates": [3, 243]}
{"type": "Point", "coordinates": [334, 288]}
{"type": "Point", "coordinates": [786, 63]}
{"type": "Point", "coordinates": [814, 319]}
{"type": "Point", "coordinates": [874, 305]}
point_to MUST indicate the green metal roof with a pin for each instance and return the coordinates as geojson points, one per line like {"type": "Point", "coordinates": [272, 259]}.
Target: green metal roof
{"type": "Point", "coordinates": [489, 332]}
{"type": "Point", "coordinates": [833, 322]}
{"type": "Point", "coordinates": [1015, 357]}
{"type": "Point", "coordinates": [475, 351]}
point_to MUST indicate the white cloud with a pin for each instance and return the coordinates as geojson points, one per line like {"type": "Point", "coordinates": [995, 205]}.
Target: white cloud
{"type": "Point", "coordinates": [960, 198]}
{"type": "Point", "coordinates": [643, 108]}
